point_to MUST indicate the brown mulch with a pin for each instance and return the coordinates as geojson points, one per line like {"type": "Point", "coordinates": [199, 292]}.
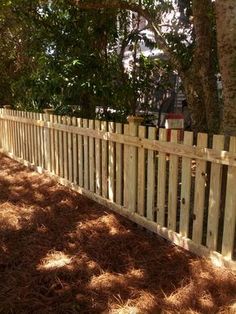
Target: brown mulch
{"type": "Point", "coordinates": [63, 253]}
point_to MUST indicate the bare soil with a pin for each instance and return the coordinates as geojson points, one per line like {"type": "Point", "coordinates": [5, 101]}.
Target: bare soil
{"type": "Point", "coordinates": [63, 253]}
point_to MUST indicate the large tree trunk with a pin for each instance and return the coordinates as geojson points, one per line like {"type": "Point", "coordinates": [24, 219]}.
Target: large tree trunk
{"type": "Point", "coordinates": [226, 40]}
{"type": "Point", "coordinates": [204, 61]}
{"type": "Point", "coordinates": [193, 92]}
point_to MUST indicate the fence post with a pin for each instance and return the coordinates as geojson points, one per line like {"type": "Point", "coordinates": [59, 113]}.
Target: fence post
{"type": "Point", "coordinates": [131, 162]}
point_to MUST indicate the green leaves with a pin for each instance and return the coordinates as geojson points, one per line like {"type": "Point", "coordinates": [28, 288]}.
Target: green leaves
{"type": "Point", "coordinates": [53, 53]}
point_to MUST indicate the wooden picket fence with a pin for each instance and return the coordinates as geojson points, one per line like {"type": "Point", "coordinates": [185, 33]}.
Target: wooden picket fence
{"type": "Point", "coordinates": [182, 189]}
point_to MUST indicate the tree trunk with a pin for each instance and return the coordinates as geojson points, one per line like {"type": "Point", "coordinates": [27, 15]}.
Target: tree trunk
{"type": "Point", "coordinates": [204, 61]}
{"type": "Point", "coordinates": [193, 92]}
{"type": "Point", "coordinates": [226, 41]}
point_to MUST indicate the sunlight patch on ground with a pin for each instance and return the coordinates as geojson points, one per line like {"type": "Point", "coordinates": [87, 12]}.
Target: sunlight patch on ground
{"type": "Point", "coordinates": [231, 309]}
{"type": "Point", "coordinates": [143, 303]}
{"type": "Point", "coordinates": [13, 217]}
{"type": "Point", "coordinates": [54, 260]}
{"type": "Point", "coordinates": [106, 281]}
{"type": "Point", "coordinates": [107, 222]}
{"type": "Point", "coordinates": [109, 280]}
{"type": "Point", "coordinates": [111, 223]}
{"type": "Point", "coordinates": [125, 310]}
{"type": "Point", "coordinates": [180, 295]}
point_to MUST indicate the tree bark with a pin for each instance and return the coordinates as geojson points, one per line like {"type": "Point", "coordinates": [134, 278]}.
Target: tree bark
{"type": "Point", "coordinates": [226, 42]}
{"type": "Point", "coordinates": [194, 96]}
{"type": "Point", "coordinates": [204, 61]}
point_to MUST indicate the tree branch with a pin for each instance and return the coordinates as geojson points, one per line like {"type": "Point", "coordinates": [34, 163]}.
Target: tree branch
{"type": "Point", "coordinates": [113, 4]}
{"type": "Point", "coordinates": [127, 5]}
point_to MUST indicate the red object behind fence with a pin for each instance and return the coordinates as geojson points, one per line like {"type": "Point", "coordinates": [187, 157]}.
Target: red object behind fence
{"type": "Point", "coordinates": [175, 121]}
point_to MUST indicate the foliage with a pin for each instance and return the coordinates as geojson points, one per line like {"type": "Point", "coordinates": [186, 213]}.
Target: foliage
{"type": "Point", "coordinates": [54, 54]}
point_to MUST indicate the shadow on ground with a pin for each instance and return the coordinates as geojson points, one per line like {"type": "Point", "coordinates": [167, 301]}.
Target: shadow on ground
{"type": "Point", "coordinates": [63, 253]}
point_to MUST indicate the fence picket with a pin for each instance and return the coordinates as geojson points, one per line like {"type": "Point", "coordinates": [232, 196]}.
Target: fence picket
{"type": "Point", "coordinates": [20, 137]}
{"type": "Point", "coordinates": [151, 176]}
{"type": "Point", "coordinates": [31, 148]}
{"type": "Point", "coordinates": [41, 139]}
{"type": "Point", "coordinates": [132, 167]}
{"type": "Point", "coordinates": [185, 188]}
{"type": "Point", "coordinates": [75, 153]}
{"type": "Point", "coordinates": [230, 209]}
{"type": "Point", "coordinates": [29, 139]}
{"type": "Point", "coordinates": [126, 170]}
{"type": "Point", "coordinates": [1, 128]}
{"type": "Point", "coordinates": [25, 126]}
{"type": "Point", "coordinates": [56, 140]}
{"type": "Point", "coordinates": [86, 157]}
{"type": "Point", "coordinates": [11, 133]}
{"type": "Point", "coordinates": [60, 149]}
{"type": "Point", "coordinates": [9, 130]}
{"type": "Point", "coordinates": [5, 132]}
{"type": "Point", "coordinates": [52, 148]}
{"type": "Point", "coordinates": [70, 153]}
{"type": "Point", "coordinates": [80, 155]}
{"type": "Point", "coordinates": [141, 174]}
{"type": "Point", "coordinates": [161, 181]}
{"type": "Point", "coordinates": [24, 137]}
{"type": "Point", "coordinates": [15, 137]}
{"type": "Point", "coordinates": [111, 164]}
{"type": "Point", "coordinates": [173, 185]}
{"type": "Point", "coordinates": [98, 160]}
{"type": "Point", "coordinates": [104, 163]}
{"type": "Point", "coordinates": [199, 195]}
{"type": "Point", "coordinates": [91, 159]}
{"type": "Point", "coordinates": [29, 143]}
{"type": "Point", "coordinates": [65, 151]}
{"type": "Point", "coordinates": [214, 197]}
{"type": "Point", "coordinates": [34, 147]}
{"type": "Point", "coordinates": [118, 167]}
{"type": "Point", "coordinates": [37, 142]}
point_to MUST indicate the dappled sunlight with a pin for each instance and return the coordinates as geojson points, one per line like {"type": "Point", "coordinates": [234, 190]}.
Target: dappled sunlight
{"type": "Point", "coordinates": [112, 224]}
{"type": "Point", "coordinates": [231, 309]}
{"type": "Point", "coordinates": [142, 302]}
{"type": "Point", "coordinates": [189, 293]}
{"type": "Point", "coordinates": [180, 296]}
{"type": "Point", "coordinates": [126, 309]}
{"type": "Point", "coordinates": [13, 217]}
{"type": "Point", "coordinates": [107, 221]}
{"type": "Point", "coordinates": [54, 260]}
{"type": "Point", "coordinates": [63, 253]}
{"type": "Point", "coordinates": [114, 281]}
{"type": "Point", "coordinates": [107, 281]}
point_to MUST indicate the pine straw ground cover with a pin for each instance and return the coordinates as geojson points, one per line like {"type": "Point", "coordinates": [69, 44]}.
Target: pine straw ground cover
{"type": "Point", "coordinates": [62, 253]}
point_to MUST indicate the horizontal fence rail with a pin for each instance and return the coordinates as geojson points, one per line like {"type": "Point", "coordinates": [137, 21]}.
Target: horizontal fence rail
{"type": "Point", "coordinates": [181, 188]}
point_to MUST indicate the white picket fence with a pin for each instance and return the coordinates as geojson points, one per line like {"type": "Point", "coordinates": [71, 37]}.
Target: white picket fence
{"type": "Point", "coordinates": [183, 190]}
